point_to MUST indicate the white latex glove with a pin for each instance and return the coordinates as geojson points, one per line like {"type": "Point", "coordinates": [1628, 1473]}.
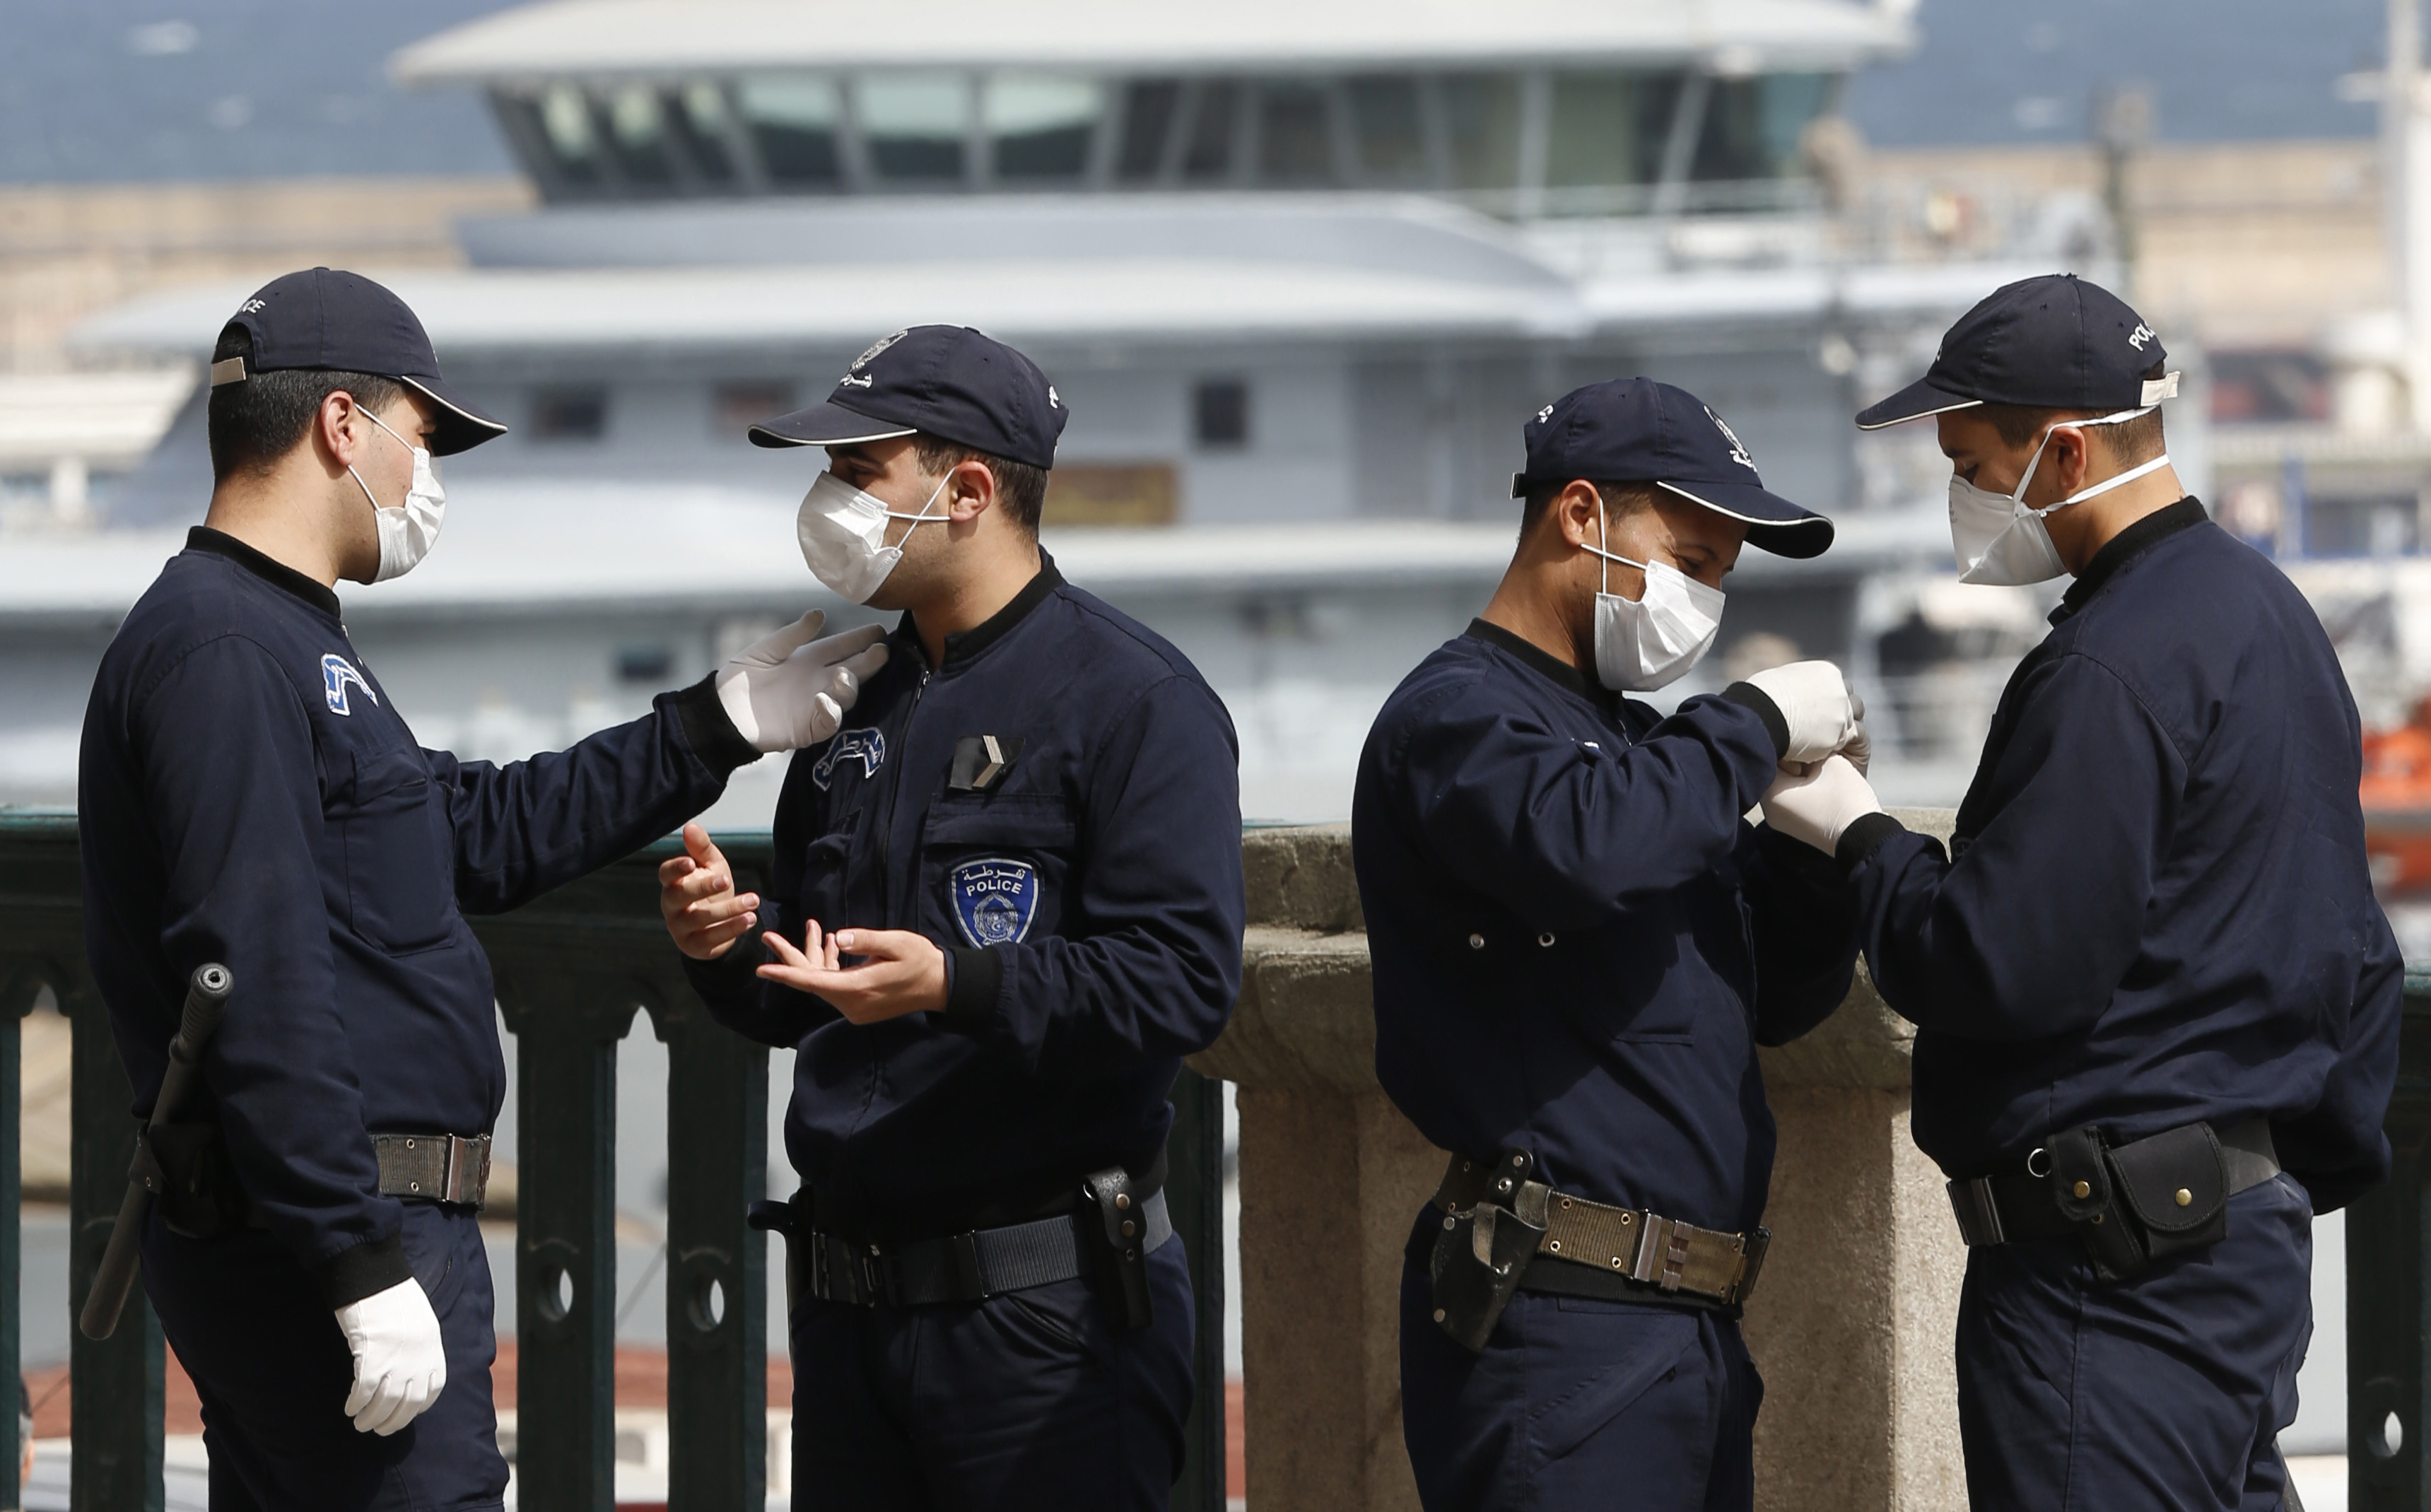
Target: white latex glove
{"type": "Point", "coordinates": [1816, 703]}
{"type": "Point", "coordinates": [1859, 747]}
{"type": "Point", "coordinates": [1817, 804]}
{"type": "Point", "coordinates": [783, 693]}
{"type": "Point", "coordinates": [401, 1366]}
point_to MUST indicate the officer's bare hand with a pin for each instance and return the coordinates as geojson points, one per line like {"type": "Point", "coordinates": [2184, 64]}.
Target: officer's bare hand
{"type": "Point", "coordinates": [697, 897]}
{"type": "Point", "coordinates": [899, 972]}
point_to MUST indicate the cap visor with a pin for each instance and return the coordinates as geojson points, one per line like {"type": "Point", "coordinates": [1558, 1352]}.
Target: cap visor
{"type": "Point", "coordinates": [1774, 523]}
{"type": "Point", "coordinates": [826, 425]}
{"type": "Point", "coordinates": [461, 428]}
{"type": "Point", "coordinates": [1918, 399]}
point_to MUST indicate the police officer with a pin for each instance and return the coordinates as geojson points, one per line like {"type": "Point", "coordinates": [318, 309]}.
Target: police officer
{"type": "Point", "coordinates": [252, 795]}
{"type": "Point", "coordinates": [2156, 1004]}
{"type": "Point", "coordinates": [1007, 900]}
{"type": "Point", "coordinates": [1578, 943]}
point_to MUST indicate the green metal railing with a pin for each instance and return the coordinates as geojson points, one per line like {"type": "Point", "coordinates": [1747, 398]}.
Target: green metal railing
{"type": "Point", "coordinates": [572, 970]}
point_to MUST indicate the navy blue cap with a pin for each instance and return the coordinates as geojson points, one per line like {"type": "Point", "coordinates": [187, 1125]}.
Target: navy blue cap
{"type": "Point", "coordinates": [2052, 343]}
{"type": "Point", "coordinates": [948, 382]}
{"type": "Point", "coordinates": [1637, 430]}
{"type": "Point", "coordinates": [325, 318]}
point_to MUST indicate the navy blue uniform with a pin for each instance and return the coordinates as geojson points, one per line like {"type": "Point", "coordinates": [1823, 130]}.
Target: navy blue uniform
{"type": "Point", "coordinates": [1090, 901]}
{"type": "Point", "coordinates": [250, 794]}
{"type": "Point", "coordinates": [2158, 911]}
{"type": "Point", "coordinates": [1578, 943]}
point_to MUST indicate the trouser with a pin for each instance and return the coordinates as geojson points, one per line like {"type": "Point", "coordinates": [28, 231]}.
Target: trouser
{"type": "Point", "coordinates": [1578, 1402]}
{"type": "Point", "coordinates": [272, 1369]}
{"type": "Point", "coordinates": [1033, 1398]}
{"type": "Point", "coordinates": [2166, 1390]}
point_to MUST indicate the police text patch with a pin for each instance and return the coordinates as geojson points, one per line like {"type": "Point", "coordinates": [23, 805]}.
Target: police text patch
{"type": "Point", "coordinates": [994, 899]}
{"type": "Point", "coordinates": [336, 672]}
{"type": "Point", "coordinates": [867, 747]}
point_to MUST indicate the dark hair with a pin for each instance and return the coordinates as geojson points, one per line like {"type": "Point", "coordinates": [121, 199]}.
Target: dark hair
{"type": "Point", "coordinates": [1621, 500]}
{"type": "Point", "coordinates": [1020, 489]}
{"type": "Point", "coordinates": [255, 423]}
{"type": "Point", "coordinates": [2129, 442]}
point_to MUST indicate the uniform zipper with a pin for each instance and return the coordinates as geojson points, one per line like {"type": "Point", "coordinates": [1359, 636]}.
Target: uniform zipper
{"type": "Point", "coordinates": [893, 793]}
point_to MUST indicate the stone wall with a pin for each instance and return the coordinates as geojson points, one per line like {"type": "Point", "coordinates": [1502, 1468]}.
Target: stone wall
{"type": "Point", "coordinates": [1851, 1326]}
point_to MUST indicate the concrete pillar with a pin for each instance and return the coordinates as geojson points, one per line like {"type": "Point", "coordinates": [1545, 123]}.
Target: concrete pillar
{"type": "Point", "coordinates": [1851, 1326]}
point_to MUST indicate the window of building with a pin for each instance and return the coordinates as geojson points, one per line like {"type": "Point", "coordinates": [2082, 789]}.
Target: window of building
{"type": "Point", "coordinates": [1149, 110]}
{"type": "Point", "coordinates": [697, 117]}
{"type": "Point", "coordinates": [569, 415]}
{"type": "Point", "coordinates": [1295, 134]}
{"type": "Point", "coordinates": [1609, 128]}
{"type": "Point", "coordinates": [1482, 128]}
{"type": "Point", "coordinates": [1388, 129]}
{"type": "Point", "coordinates": [565, 133]}
{"type": "Point", "coordinates": [736, 406]}
{"type": "Point", "coordinates": [1209, 153]}
{"type": "Point", "coordinates": [1041, 127]}
{"type": "Point", "coordinates": [637, 134]}
{"type": "Point", "coordinates": [792, 119]}
{"type": "Point", "coordinates": [1220, 413]}
{"type": "Point", "coordinates": [915, 126]}
{"type": "Point", "coordinates": [651, 664]}
{"type": "Point", "coordinates": [1753, 125]}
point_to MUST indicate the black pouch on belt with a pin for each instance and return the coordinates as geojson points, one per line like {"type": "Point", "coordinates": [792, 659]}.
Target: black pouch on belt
{"type": "Point", "coordinates": [194, 1184]}
{"type": "Point", "coordinates": [1125, 1223]}
{"type": "Point", "coordinates": [2143, 1202]}
{"type": "Point", "coordinates": [1481, 1253]}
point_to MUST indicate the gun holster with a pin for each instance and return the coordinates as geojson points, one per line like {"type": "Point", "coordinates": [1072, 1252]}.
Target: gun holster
{"type": "Point", "coordinates": [1125, 1225]}
{"type": "Point", "coordinates": [194, 1186]}
{"type": "Point", "coordinates": [2143, 1201]}
{"type": "Point", "coordinates": [1484, 1251]}
{"type": "Point", "coordinates": [780, 1215]}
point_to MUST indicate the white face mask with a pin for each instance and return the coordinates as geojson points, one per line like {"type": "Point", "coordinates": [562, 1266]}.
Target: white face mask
{"type": "Point", "coordinates": [1642, 644]}
{"type": "Point", "coordinates": [1997, 539]}
{"type": "Point", "coordinates": [843, 531]}
{"type": "Point", "coordinates": [408, 532]}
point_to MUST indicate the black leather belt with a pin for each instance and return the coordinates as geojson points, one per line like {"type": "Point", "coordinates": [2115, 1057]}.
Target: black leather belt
{"type": "Point", "coordinates": [2011, 1206]}
{"type": "Point", "coordinates": [961, 1267]}
{"type": "Point", "coordinates": [436, 1168]}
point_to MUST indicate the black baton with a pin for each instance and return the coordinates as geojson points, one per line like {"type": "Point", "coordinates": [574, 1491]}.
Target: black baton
{"type": "Point", "coordinates": [205, 1001]}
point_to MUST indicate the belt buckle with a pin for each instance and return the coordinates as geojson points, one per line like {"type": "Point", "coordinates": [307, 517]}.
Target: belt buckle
{"type": "Point", "coordinates": [460, 1173]}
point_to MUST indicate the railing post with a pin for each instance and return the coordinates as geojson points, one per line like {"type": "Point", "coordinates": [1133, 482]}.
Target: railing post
{"type": "Point", "coordinates": [17, 996]}
{"type": "Point", "coordinates": [718, 1269]}
{"type": "Point", "coordinates": [2387, 1282]}
{"type": "Point", "coordinates": [566, 1026]}
{"type": "Point", "coordinates": [1194, 1188]}
{"type": "Point", "coordinates": [117, 1386]}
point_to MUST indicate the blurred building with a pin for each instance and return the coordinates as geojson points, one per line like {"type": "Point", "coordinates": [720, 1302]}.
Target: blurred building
{"type": "Point", "coordinates": [1300, 274]}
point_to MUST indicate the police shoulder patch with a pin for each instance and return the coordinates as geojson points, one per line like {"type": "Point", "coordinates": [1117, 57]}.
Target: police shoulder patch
{"type": "Point", "coordinates": [994, 899]}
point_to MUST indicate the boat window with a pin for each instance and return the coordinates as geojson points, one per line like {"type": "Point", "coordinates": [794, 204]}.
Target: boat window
{"type": "Point", "coordinates": [1148, 119]}
{"type": "Point", "coordinates": [1387, 128]}
{"type": "Point", "coordinates": [637, 134]}
{"type": "Point", "coordinates": [916, 126]}
{"type": "Point", "coordinates": [1754, 125]}
{"type": "Point", "coordinates": [1609, 128]}
{"type": "Point", "coordinates": [1209, 154]}
{"type": "Point", "coordinates": [565, 133]}
{"type": "Point", "coordinates": [1295, 133]}
{"type": "Point", "coordinates": [568, 415]}
{"type": "Point", "coordinates": [793, 122]}
{"type": "Point", "coordinates": [697, 118]}
{"type": "Point", "coordinates": [1219, 413]}
{"type": "Point", "coordinates": [1041, 126]}
{"type": "Point", "coordinates": [1482, 127]}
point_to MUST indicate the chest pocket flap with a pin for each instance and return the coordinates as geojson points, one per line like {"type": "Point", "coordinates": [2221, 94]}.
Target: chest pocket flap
{"type": "Point", "coordinates": [400, 895]}
{"type": "Point", "coordinates": [992, 869]}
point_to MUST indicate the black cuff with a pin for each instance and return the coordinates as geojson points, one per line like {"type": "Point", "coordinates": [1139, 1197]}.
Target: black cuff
{"type": "Point", "coordinates": [1748, 696]}
{"type": "Point", "coordinates": [365, 1270]}
{"type": "Point", "coordinates": [1863, 837]}
{"type": "Point", "coordinates": [973, 977]}
{"type": "Point", "coordinates": [710, 729]}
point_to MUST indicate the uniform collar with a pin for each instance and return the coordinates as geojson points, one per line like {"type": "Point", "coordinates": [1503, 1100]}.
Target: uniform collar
{"type": "Point", "coordinates": [1543, 661]}
{"type": "Point", "coordinates": [2124, 548]}
{"type": "Point", "coordinates": [961, 646]}
{"type": "Point", "coordinates": [278, 573]}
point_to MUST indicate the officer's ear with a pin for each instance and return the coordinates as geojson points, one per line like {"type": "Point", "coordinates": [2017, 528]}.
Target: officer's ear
{"type": "Point", "coordinates": [970, 491]}
{"type": "Point", "coordinates": [1571, 515]}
